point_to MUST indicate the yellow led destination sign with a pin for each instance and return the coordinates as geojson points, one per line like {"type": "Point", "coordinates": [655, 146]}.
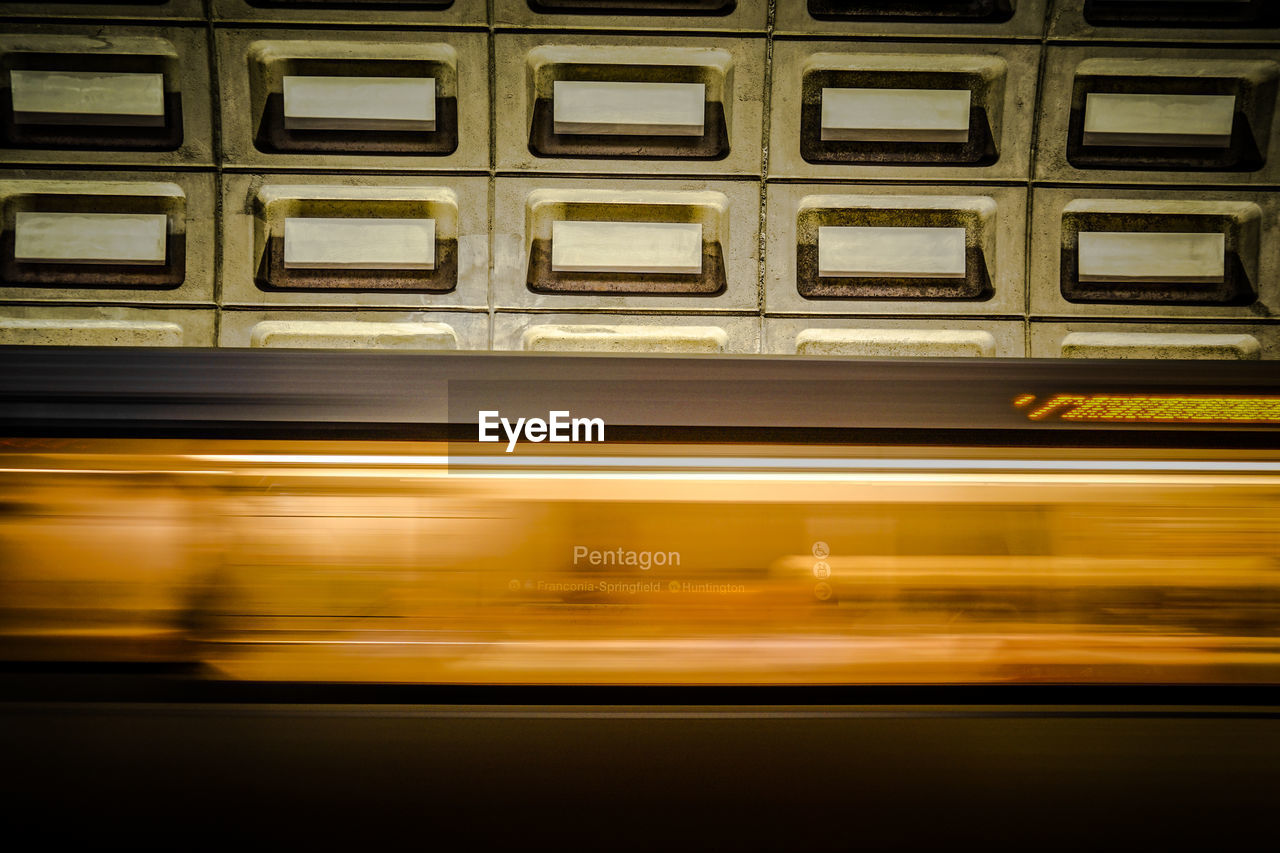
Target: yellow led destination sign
{"type": "Point", "coordinates": [1152, 408]}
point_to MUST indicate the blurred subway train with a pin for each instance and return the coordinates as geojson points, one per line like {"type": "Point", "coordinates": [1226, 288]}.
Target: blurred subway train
{"type": "Point", "coordinates": [315, 563]}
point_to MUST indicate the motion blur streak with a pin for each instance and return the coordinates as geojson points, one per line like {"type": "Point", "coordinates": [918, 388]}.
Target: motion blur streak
{"type": "Point", "coordinates": [643, 564]}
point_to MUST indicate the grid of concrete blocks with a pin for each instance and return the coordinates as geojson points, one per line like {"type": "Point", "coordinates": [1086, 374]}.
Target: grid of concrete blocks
{"type": "Point", "coordinates": [1007, 178]}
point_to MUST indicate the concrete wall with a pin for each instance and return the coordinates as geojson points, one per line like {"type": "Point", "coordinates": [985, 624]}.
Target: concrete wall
{"type": "Point", "coordinates": [800, 139]}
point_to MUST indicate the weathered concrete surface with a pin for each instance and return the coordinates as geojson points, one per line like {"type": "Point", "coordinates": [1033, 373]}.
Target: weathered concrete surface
{"type": "Point", "coordinates": [896, 343]}
{"type": "Point", "coordinates": [626, 339]}
{"type": "Point", "coordinates": [353, 329]}
{"type": "Point", "coordinates": [626, 333]}
{"type": "Point", "coordinates": [896, 115]}
{"type": "Point", "coordinates": [80, 325]}
{"type": "Point", "coordinates": [348, 334]}
{"type": "Point", "coordinates": [1227, 347]}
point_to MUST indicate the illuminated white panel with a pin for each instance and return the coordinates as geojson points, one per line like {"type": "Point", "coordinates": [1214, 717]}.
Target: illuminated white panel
{"type": "Point", "coordinates": [659, 109]}
{"type": "Point", "coordinates": [87, 97]}
{"type": "Point", "coordinates": [895, 115]}
{"type": "Point", "coordinates": [628, 247]}
{"type": "Point", "coordinates": [1202, 121]}
{"type": "Point", "coordinates": [1144, 256]}
{"type": "Point", "coordinates": [320, 243]}
{"type": "Point", "coordinates": [360, 103]}
{"type": "Point", "coordinates": [90, 238]}
{"type": "Point", "coordinates": [904, 252]}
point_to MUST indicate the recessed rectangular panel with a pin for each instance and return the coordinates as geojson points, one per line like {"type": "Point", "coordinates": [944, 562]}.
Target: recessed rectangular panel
{"type": "Point", "coordinates": [1161, 345]}
{"type": "Point", "coordinates": [88, 97]}
{"type": "Point", "coordinates": [359, 103]}
{"type": "Point", "coordinates": [949, 11]}
{"type": "Point", "coordinates": [1180, 13]}
{"type": "Point", "coordinates": [895, 115]}
{"type": "Point", "coordinates": [353, 334]}
{"type": "Point", "coordinates": [17, 331]}
{"type": "Point", "coordinates": [649, 109]}
{"type": "Point", "coordinates": [1172, 120]}
{"type": "Point", "coordinates": [625, 339]}
{"type": "Point", "coordinates": [627, 247]}
{"type": "Point", "coordinates": [350, 5]}
{"type": "Point", "coordinates": [889, 252]}
{"type": "Point", "coordinates": [634, 7]}
{"type": "Point", "coordinates": [896, 343]}
{"type": "Point", "coordinates": [349, 243]}
{"type": "Point", "coordinates": [90, 238]}
{"type": "Point", "coordinates": [1154, 257]}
